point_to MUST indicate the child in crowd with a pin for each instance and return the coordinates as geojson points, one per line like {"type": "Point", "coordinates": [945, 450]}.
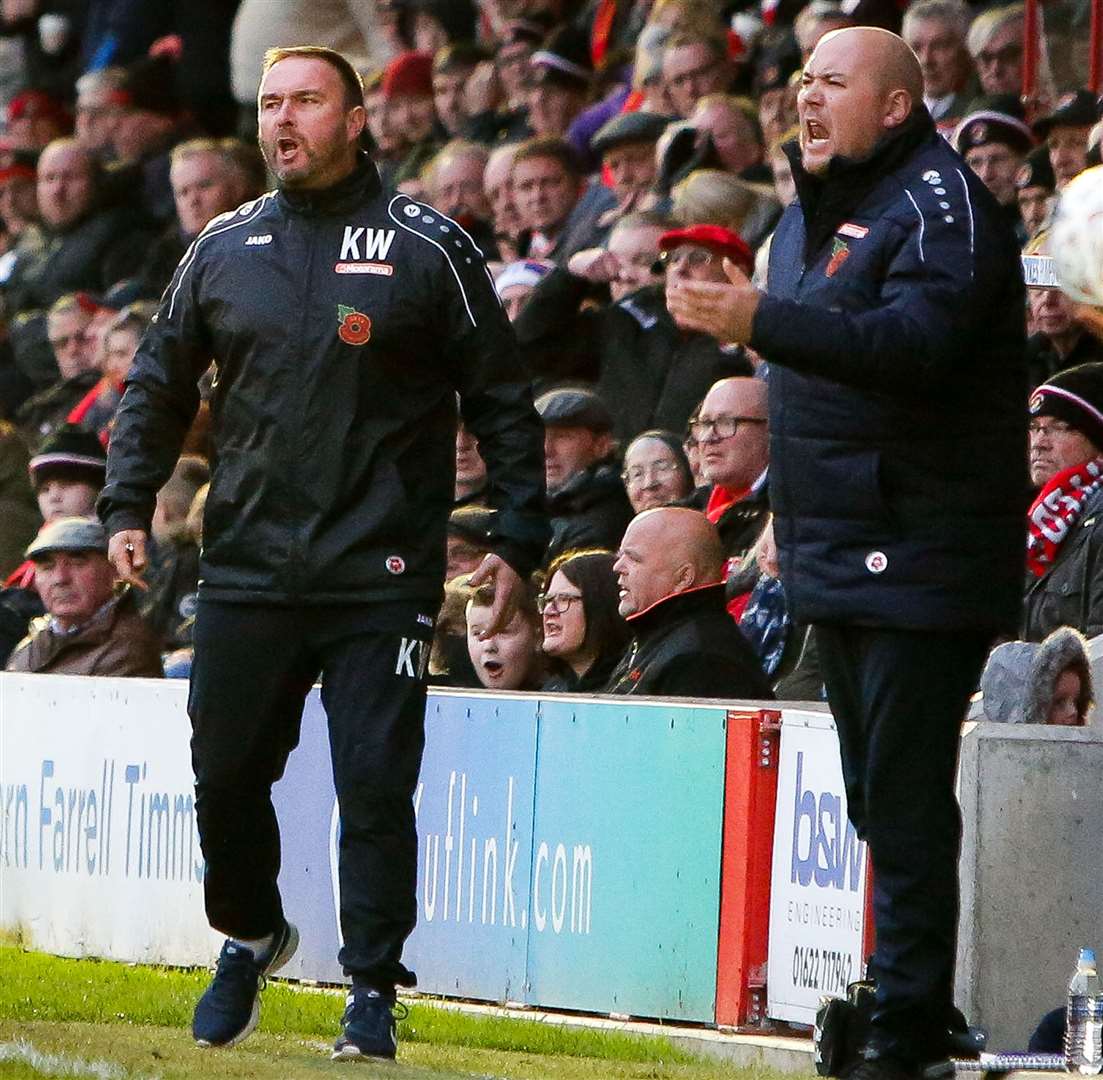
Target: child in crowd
{"type": "Point", "coordinates": [511, 658]}
{"type": "Point", "coordinates": [1025, 682]}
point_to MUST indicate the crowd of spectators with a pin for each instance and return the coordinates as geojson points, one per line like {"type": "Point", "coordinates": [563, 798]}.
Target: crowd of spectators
{"type": "Point", "coordinates": [594, 150]}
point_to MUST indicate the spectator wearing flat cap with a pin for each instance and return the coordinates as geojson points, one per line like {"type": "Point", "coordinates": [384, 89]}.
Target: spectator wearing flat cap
{"type": "Point", "coordinates": [88, 628]}
{"type": "Point", "coordinates": [1065, 132]}
{"type": "Point", "coordinates": [586, 500]}
{"type": "Point", "coordinates": [1035, 186]}
{"type": "Point", "coordinates": [625, 148]}
{"type": "Point", "coordinates": [1058, 340]}
{"type": "Point", "coordinates": [994, 139]}
{"type": "Point", "coordinates": [66, 475]}
{"type": "Point", "coordinates": [631, 351]}
{"type": "Point", "coordinates": [1065, 521]}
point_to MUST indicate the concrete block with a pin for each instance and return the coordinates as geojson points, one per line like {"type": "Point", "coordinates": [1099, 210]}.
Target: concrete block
{"type": "Point", "coordinates": [1031, 870]}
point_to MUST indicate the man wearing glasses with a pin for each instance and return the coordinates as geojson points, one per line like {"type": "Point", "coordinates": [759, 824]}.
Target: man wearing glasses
{"type": "Point", "coordinates": [894, 320]}
{"type": "Point", "coordinates": [731, 431]}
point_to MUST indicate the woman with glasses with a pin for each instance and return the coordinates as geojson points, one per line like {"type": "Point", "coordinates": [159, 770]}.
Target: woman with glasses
{"type": "Point", "coordinates": [584, 636]}
{"type": "Point", "coordinates": [656, 470]}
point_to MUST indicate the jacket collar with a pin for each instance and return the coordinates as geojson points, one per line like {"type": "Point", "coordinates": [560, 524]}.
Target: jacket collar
{"type": "Point", "coordinates": [676, 608]}
{"type": "Point", "coordinates": [827, 201]}
{"type": "Point", "coordinates": [348, 194]}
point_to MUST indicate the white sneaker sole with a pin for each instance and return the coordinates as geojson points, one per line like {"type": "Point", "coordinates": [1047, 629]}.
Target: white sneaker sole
{"type": "Point", "coordinates": [352, 1053]}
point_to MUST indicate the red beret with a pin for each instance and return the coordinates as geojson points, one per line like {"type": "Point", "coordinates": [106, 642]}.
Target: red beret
{"type": "Point", "coordinates": [715, 238]}
{"type": "Point", "coordinates": [410, 73]}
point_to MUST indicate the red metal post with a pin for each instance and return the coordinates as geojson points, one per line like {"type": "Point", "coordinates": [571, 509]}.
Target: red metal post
{"type": "Point", "coordinates": [750, 799]}
{"type": "Point", "coordinates": [1031, 51]}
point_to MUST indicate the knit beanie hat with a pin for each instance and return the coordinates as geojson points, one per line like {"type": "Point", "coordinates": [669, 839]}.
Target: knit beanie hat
{"type": "Point", "coordinates": [1075, 396]}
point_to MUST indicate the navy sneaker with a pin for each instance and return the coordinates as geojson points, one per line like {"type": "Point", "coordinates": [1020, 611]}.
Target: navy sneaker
{"type": "Point", "coordinates": [368, 1026]}
{"type": "Point", "coordinates": [228, 1010]}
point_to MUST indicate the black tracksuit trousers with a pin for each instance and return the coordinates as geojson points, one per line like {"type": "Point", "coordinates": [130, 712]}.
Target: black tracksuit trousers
{"type": "Point", "coordinates": [899, 698]}
{"type": "Point", "coordinates": [254, 665]}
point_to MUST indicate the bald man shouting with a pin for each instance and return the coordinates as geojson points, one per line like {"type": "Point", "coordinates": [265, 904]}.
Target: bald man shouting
{"type": "Point", "coordinates": [893, 329]}
{"type": "Point", "coordinates": [669, 572]}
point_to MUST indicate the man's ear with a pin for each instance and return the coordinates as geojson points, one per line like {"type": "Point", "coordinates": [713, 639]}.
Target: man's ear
{"type": "Point", "coordinates": [685, 577]}
{"type": "Point", "coordinates": [603, 444]}
{"type": "Point", "coordinates": [356, 122]}
{"type": "Point", "coordinates": [898, 108]}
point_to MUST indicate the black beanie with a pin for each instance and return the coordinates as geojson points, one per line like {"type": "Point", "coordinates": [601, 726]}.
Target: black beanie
{"type": "Point", "coordinates": [1075, 396]}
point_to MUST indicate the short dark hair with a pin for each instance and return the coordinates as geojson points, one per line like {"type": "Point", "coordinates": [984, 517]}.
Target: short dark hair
{"type": "Point", "coordinates": [549, 147]}
{"type": "Point", "coordinates": [350, 77]}
{"type": "Point", "coordinates": [590, 570]}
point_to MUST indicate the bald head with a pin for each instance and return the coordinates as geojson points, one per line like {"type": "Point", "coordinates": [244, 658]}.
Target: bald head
{"type": "Point", "coordinates": [736, 448]}
{"type": "Point", "coordinates": [858, 85]}
{"type": "Point", "coordinates": [666, 551]}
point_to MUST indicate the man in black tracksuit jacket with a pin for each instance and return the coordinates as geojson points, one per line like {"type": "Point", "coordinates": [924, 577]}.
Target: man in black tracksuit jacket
{"type": "Point", "coordinates": [894, 332]}
{"type": "Point", "coordinates": [342, 322]}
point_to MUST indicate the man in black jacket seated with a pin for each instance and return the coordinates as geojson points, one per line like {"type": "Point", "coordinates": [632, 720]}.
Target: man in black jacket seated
{"type": "Point", "coordinates": [685, 644]}
{"type": "Point", "coordinates": [894, 333]}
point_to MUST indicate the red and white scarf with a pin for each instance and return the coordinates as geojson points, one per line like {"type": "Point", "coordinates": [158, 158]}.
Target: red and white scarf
{"type": "Point", "coordinates": [1056, 510]}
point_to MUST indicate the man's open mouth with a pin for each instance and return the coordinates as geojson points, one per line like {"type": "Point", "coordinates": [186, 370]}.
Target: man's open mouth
{"type": "Point", "coordinates": [815, 131]}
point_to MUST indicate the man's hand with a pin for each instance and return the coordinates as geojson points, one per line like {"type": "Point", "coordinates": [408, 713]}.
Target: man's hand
{"type": "Point", "coordinates": [724, 311]}
{"type": "Point", "coordinates": [483, 91]}
{"type": "Point", "coordinates": [595, 264]}
{"type": "Point", "coordinates": [127, 552]}
{"type": "Point", "coordinates": [766, 554]}
{"type": "Point", "coordinates": [507, 591]}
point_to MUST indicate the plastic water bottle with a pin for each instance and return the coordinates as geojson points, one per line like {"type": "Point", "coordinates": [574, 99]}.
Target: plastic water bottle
{"type": "Point", "coordinates": [1084, 1018]}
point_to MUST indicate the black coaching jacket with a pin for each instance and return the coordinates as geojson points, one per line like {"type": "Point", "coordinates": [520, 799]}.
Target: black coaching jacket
{"type": "Point", "coordinates": [894, 328]}
{"type": "Point", "coordinates": [343, 324]}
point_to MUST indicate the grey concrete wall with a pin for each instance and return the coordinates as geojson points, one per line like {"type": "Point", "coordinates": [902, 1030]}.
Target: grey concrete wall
{"type": "Point", "coordinates": [1031, 870]}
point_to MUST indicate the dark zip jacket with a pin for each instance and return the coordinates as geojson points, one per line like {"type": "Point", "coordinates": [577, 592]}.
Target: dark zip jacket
{"type": "Point", "coordinates": [342, 323]}
{"type": "Point", "coordinates": [894, 327]}
{"type": "Point", "coordinates": [687, 645]}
